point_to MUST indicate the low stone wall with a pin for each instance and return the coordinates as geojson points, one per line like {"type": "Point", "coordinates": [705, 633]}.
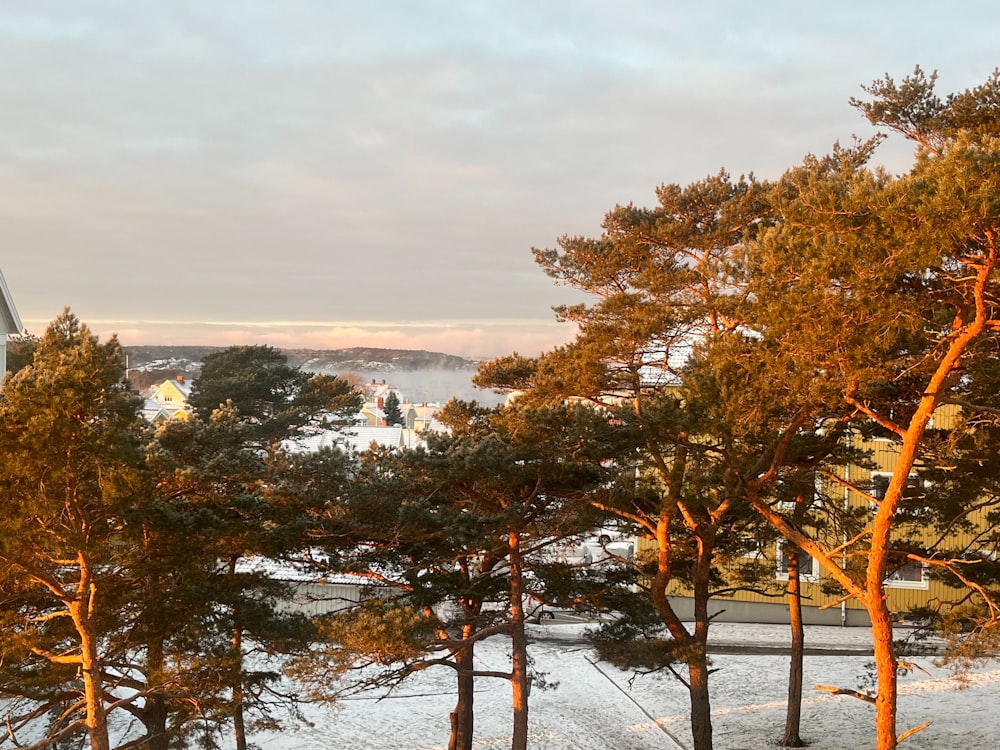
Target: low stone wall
{"type": "Point", "coordinates": [726, 610]}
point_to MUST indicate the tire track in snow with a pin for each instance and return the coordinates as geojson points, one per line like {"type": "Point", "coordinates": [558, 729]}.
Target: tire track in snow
{"type": "Point", "coordinates": [619, 688]}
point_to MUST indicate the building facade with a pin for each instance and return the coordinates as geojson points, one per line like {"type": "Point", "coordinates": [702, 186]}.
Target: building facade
{"type": "Point", "coordinates": [10, 322]}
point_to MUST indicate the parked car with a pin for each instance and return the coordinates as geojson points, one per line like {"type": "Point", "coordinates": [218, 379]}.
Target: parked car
{"type": "Point", "coordinates": [610, 542]}
{"type": "Point", "coordinates": [605, 535]}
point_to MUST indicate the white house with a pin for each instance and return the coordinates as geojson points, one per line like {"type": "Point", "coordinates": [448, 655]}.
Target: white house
{"type": "Point", "coordinates": [9, 322]}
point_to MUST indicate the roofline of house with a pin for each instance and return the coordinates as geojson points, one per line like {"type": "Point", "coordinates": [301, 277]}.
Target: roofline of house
{"type": "Point", "coordinates": [8, 313]}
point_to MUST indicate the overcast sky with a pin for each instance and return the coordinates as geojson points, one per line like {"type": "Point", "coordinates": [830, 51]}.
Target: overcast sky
{"type": "Point", "coordinates": [327, 173]}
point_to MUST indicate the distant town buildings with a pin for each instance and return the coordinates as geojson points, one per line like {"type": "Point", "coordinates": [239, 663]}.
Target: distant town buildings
{"type": "Point", "coordinates": [169, 400]}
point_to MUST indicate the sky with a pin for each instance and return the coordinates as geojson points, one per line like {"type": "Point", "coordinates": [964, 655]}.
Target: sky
{"type": "Point", "coordinates": [332, 173]}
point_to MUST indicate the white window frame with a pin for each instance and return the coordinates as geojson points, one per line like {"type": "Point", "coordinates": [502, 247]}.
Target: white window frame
{"type": "Point", "coordinates": [756, 549]}
{"type": "Point", "coordinates": [808, 572]}
{"type": "Point", "coordinates": [887, 475]}
{"type": "Point", "coordinates": [893, 582]}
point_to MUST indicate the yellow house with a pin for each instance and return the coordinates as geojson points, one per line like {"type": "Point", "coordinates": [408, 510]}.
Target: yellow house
{"type": "Point", "coordinates": [371, 415]}
{"type": "Point", "coordinates": [420, 417]}
{"type": "Point", "coordinates": [168, 400]}
{"type": "Point", "coordinates": [907, 587]}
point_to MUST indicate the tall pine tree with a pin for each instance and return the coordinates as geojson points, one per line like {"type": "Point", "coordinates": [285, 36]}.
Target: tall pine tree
{"type": "Point", "coordinates": [71, 470]}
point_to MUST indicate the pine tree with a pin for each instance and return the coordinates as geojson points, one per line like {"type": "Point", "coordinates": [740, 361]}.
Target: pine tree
{"type": "Point", "coordinates": [20, 351]}
{"type": "Point", "coordinates": [662, 283]}
{"type": "Point", "coordinates": [393, 414]}
{"type": "Point", "coordinates": [268, 393]}
{"type": "Point", "coordinates": [234, 488]}
{"type": "Point", "coordinates": [71, 470]}
{"type": "Point", "coordinates": [453, 531]}
{"type": "Point", "coordinates": [886, 287]}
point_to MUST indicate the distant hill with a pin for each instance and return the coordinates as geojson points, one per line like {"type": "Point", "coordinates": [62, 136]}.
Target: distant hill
{"type": "Point", "coordinates": [367, 358]}
{"type": "Point", "coordinates": [419, 374]}
{"type": "Point", "coordinates": [356, 359]}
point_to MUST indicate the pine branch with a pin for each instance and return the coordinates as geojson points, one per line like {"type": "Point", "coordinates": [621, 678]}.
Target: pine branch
{"type": "Point", "coordinates": [846, 691]}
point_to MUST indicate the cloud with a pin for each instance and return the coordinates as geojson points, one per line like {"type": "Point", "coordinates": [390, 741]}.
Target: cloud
{"type": "Point", "coordinates": [318, 161]}
{"type": "Point", "coordinates": [476, 339]}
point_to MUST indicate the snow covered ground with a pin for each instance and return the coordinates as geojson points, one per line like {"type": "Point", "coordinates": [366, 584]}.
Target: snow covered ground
{"type": "Point", "coordinates": [598, 707]}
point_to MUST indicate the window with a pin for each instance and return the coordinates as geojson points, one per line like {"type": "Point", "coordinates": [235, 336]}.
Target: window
{"type": "Point", "coordinates": [808, 567]}
{"type": "Point", "coordinates": [880, 483]}
{"type": "Point", "coordinates": [753, 549]}
{"type": "Point", "coordinates": [909, 576]}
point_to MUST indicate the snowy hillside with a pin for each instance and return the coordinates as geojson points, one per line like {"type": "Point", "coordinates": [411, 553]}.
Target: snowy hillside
{"type": "Point", "coordinates": [598, 707]}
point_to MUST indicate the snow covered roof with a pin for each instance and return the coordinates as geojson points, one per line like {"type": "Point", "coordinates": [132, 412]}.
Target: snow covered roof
{"type": "Point", "coordinates": [373, 410]}
{"type": "Point", "coordinates": [375, 390]}
{"type": "Point", "coordinates": [359, 438]}
{"type": "Point", "coordinates": [299, 572]}
{"type": "Point", "coordinates": [356, 439]}
{"type": "Point", "coordinates": [438, 426]}
{"type": "Point", "coordinates": [422, 411]}
{"type": "Point", "coordinates": [152, 411]}
{"type": "Point", "coordinates": [316, 441]}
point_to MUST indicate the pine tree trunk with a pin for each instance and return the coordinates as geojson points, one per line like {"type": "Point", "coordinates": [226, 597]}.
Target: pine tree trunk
{"type": "Point", "coordinates": [693, 645]}
{"type": "Point", "coordinates": [794, 711]}
{"type": "Point", "coordinates": [80, 610]}
{"type": "Point", "coordinates": [90, 663]}
{"type": "Point", "coordinates": [701, 706]}
{"type": "Point", "coordinates": [154, 718]}
{"type": "Point", "coordinates": [885, 669]}
{"type": "Point", "coordinates": [462, 715]}
{"type": "Point", "coordinates": [519, 648]}
{"type": "Point", "coordinates": [156, 710]}
{"type": "Point", "coordinates": [239, 725]}
{"type": "Point", "coordinates": [878, 607]}
{"type": "Point", "coordinates": [154, 715]}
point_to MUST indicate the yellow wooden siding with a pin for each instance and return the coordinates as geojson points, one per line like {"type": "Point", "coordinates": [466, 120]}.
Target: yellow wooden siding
{"type": "Point", "coordinates": [167, 392]}
{"type": "Point", "coordinates": [884, 454]}
{"type": "Point", "coordinates": [901, 599]}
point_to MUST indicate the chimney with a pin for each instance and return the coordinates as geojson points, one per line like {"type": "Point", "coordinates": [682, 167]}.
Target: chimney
{"type": "Point", "coordinates": [180, 378]}
{"type": "Point", "coordinates": [381, 402]}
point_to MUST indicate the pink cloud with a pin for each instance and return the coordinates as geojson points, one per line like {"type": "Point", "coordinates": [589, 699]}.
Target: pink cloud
{"type": "Point", "coordinates": [481, 339]}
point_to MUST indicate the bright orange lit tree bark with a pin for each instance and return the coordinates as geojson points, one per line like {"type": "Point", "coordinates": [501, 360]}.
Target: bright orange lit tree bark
{"type": "Point", "coordinates": [885, 288]}
{"type": "Point", "coordinates": [455, 531]}
{"type": "Point", "coordinates": [660, 284]}
{"type": "Point", "coordinates": [841, 299]}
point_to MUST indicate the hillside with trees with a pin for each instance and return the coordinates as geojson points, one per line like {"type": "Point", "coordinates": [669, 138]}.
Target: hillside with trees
{"type": "Point", "coordinates": [355, 359]}
{"type": "Point", "coordinates": [422, 375]}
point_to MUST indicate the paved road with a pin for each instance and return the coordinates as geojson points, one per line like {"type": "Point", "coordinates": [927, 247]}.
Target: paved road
{"type": "Point", "coordinates": [544, 630]}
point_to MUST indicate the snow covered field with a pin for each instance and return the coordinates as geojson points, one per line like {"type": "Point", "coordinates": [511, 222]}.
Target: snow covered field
{"type": "Point", "coordinates": [595, 707]}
